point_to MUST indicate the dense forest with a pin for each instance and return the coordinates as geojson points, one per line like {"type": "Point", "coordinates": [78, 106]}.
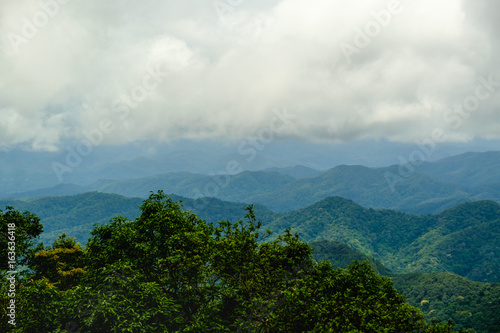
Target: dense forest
{"type": "Point", "coordinates": [461, 240]}
{"type": "Point", "coordinates": [449, 296]}
{"type": "Point", "coordinates": [170, 271]}
{"type": "Point", "coordinates": [443, 296]}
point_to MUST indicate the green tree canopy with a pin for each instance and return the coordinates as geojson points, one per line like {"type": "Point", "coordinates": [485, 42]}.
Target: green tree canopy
{"type": "Point", "coordinates": [21, 229]}
{"type": "Point", "coordinates": [169, 271]}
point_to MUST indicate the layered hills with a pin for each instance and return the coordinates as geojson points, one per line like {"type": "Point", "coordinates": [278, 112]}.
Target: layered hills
{"type": "Point", "coordinates": [462, 240]}
{"type": "Point", "coordinates": [434, 228]}
{"type": "Point", "coordinates": [429, 188]}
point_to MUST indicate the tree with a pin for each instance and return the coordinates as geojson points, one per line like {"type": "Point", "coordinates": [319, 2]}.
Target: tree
{"type": "Point", "coordinates": [61, 264]}
{"type": "Point", "coordinates": [228, 278]}
{"type": "Point", "coordinates": [18, 232]}
{"type": "Point", "coordinates": [169, 271]}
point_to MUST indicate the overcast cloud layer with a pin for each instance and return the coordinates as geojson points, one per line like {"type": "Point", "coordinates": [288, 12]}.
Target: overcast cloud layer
{"type": "Point", "coordinates": [163, 70]}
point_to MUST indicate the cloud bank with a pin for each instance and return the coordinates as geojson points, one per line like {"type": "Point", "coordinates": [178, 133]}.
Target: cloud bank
{"type": "Point", "coordinates": [122, 71]}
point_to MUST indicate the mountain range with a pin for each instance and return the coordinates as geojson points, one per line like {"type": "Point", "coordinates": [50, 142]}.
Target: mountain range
{"type": "Point", "coordinates": [428, 188]}
{"type": "Point", "coordinates": [462, 240]}
{"type": "Point", "coordinates": [433, 227]}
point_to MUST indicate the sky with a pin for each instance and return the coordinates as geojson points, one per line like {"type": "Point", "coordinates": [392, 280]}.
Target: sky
{"type": "Point", "coordinates": [118, 72]}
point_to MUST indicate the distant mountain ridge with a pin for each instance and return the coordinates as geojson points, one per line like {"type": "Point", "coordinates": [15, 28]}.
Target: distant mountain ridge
{"type": "Point", "coordinates": [430, 189]}
{"type": "Point", "coordinates": [463, 169]}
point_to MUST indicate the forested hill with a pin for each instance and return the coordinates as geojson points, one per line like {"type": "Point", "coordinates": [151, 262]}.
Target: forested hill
{"type": "Point", "coordinates": [462, 240]}
{"type": "Point", "coordinates": [342, 255]}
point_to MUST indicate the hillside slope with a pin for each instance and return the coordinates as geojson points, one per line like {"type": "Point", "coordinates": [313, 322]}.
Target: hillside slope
{"type": "Point", "coordinates": [463, 240]}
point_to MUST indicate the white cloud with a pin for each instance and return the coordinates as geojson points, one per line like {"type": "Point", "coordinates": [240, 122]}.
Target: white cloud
{"type": "Point", "coordinates": [222, 77]}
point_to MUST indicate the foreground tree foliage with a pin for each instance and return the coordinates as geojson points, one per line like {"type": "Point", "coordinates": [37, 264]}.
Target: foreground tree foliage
{"type": "Point", "coordinates": [21, 228]}
{"type": "Point", "coordinates": [169, 271]}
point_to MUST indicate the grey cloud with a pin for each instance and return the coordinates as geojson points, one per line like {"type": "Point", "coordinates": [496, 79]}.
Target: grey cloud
{"type": "Point", "coordinates": [221, 77]}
